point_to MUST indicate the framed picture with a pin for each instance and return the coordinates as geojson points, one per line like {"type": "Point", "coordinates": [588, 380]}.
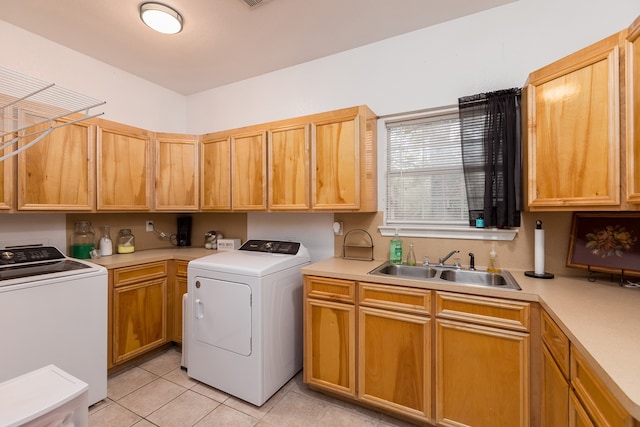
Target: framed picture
{"type": "Point", "coordinates": [606, 242]}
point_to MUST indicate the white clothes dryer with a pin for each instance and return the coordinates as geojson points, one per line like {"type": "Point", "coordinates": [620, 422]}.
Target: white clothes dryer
{"type": "Point", "coordinates": [244, 328]}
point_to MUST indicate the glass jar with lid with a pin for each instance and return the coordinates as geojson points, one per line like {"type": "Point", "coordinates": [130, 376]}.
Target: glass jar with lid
{"type": "Point", "coordinates": [126, 241]}
{"type": "Point", "coordinates": [83, 240]}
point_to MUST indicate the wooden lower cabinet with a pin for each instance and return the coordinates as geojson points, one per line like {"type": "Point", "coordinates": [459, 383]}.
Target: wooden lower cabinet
{"type": "Point", "coordinates": [578, 417]}
{"type": "Point", "coordinates": [179, 289]}
{"type": "Point", "coordinates": [330, 335]}
{"type": "Point", "coordinates": [481, 369]}
{"type": "Point", "coordinates": [482, 375]}
{"type": "Point", "coordinates": [139, 311]}
{"type": "Point", "coordinates": [555, 393]}
{"type": "Point", "coordinates": [394, 370]}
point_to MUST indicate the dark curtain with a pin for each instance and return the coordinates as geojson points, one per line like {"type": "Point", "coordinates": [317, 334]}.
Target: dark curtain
{"type": "Point", "coordinates": [491, 154]}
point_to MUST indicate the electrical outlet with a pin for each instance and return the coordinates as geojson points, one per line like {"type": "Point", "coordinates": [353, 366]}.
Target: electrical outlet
{"type": "Point", "coordinates": [149, 225]}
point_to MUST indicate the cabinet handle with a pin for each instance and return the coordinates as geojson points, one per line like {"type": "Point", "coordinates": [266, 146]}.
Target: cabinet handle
{"type": "Point", "coordinates": [199, 309]}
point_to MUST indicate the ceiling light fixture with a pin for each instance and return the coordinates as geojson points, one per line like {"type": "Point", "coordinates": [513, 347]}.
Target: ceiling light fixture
{"type": "Point", "coordinates": [161, 18]}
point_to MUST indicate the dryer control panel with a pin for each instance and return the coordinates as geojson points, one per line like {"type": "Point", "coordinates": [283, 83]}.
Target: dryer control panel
{"type": "Point", "coordinates": [271, 246]}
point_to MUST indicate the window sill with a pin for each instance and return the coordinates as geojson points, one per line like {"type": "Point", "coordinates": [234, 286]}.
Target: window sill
{"type": "Point", "coordinates": [444, 232]}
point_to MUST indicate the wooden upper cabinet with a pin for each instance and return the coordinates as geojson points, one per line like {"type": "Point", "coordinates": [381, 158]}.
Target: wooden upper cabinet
{"type": "Point", "coordinates": [288, 168]}
{"type": "Point", "coordinates": [215, 173]}
{"type": "Point", "coordinates": [343, 160]}
{"type": "Point", "coordinates": [57, 172]}
{"type": "Point", "coordinates": [7, 181]}
{"type": "Point", "coordinates": [632, 102]}
{"type": "Point", "coordinates": [572, 138]}
{"type": "Point", "coordinates": [177, 182]}
{"type": "Point", "coordinates": [249, 171]}
{"type": "Point", "coordinates": [124, 170]}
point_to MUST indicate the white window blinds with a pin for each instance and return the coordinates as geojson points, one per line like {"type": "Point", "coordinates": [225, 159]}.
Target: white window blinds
{"type": "Point", "coordinates": [425, 177]}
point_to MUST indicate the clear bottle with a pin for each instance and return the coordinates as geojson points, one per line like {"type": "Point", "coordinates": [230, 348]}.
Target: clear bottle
{"type": "Point", "coordinates": [105, 244]}
{"type": "Point", "coordinates": [83, 240]}
{"type": "Point", "coordinates": [126, 241]}
{"type": "Point", "coordinates": [411, 256]}
{"type": "Point", "coordinates": [395, 249]}
{"type": "Point", "coordinates": [494, 266]}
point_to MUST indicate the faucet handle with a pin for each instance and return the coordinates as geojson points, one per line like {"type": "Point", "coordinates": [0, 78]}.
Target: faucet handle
{"type": "Point", "coordinates": [425, 262]}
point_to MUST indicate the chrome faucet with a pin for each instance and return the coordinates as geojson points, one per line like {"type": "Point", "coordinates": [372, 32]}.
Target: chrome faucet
{"type": "Point", "coordinates": [442, 260]}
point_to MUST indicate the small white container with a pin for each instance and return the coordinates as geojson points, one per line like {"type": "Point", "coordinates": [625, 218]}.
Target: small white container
{"type": "Point", "coordinates": [228, 244]}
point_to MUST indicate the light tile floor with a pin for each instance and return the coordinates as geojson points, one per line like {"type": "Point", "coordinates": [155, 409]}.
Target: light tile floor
{"type": "Point", "coordinates": [158, 392]}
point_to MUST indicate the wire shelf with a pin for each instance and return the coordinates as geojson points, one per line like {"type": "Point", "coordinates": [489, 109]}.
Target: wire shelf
{"type": "Point", "coordinates": [27, 102]}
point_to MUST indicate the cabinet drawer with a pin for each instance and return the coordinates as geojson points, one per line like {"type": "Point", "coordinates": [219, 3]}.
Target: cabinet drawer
{"type": "Point", "coordinates": [397, 298]}
{"type": "Point", "coordinates": [138, 273]}
{"type": "Point", "coordinates": [482, 310]}
{"type": "Point", "coordinates": [330, 289]}
{"type": "Point", "coordinates": [181, 268]}
{"type": "Point", "coordinates": [556, 341]}
{"type": "Point", "coordinates": [598, 401]}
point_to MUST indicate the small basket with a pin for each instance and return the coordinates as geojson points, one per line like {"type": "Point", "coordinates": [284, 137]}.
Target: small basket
{"type": "Point", "coordinates": [357, 245]}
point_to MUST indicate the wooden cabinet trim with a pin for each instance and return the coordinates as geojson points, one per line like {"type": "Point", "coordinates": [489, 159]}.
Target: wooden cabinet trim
{"type": "Point", "coordinates": [181, 268]}
{"type": "Point", "coordinates": [598, 401]}
{"type": "Point", "coordinates": [397, 298]}
{"type": "Point", "coordinates": [138, 273]}
{"type": "Point", "coordinates": [330, 289]}
{"type": "Point", "coordinates": [483, 310]}
{"type": "Point", "coordinates": [632, 121]}
{"type": "Point", "coordinates": [554, 401]}
{"type": "Point", "coordinates": [556, 341]}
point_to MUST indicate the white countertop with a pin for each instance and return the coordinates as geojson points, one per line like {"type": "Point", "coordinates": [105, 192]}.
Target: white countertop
{"type": "Point", "coordinates": [600, 318]}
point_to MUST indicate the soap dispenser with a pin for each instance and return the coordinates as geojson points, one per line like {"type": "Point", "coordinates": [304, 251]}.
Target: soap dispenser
{"type": "Point", "coordinates": [494, 266]}
{"type": "Point", "coordinates": [395, 249]}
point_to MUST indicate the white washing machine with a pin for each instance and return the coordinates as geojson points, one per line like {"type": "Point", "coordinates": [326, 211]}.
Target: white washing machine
{"type": "Point", "coordinates": [244, 328]}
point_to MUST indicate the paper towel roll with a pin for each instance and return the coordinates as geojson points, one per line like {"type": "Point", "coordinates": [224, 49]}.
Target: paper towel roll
{"type": "Point", "coordinates": [539, 252]}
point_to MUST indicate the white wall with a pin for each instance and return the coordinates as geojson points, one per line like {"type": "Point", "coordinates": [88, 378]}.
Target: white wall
{"type": "Point", "coordinates": [130, 99]}
{"type": "Point", "coordinates": [427, 68]}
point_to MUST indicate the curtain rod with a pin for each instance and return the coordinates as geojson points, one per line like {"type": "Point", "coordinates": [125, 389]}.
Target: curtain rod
{"type": "Point", "coordinates": [422, 111]}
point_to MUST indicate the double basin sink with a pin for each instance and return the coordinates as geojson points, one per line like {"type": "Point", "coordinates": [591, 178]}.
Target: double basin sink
{"type": "Point", "coordinates": [502, 280]}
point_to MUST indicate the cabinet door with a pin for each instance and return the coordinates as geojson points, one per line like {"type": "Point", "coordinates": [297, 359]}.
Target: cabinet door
{"type": "Point", "coordinates": [7, 167]}
{"type": "Point", "coordinates": [555, 393]}
{"type": "Point", "coordinates": [124, 169]}
{"type": "Point", "coordinates": [215, 174]}
{"type": "Point", "coordinates": [249, 171]}
{"type": "Point", "coordinates": [632, 80]}
{"type": "Point", "coordinates": [599, 403]}
{"type": "Point", "coordinates": [394, 361]}
{"type": "Point", "coordinates": [139, 318]}
{"type": "Point", "coordinates": [573, 131]}
{"type": "Point", "coordinates": [330, 346]}
{"type": "Point", "coordinates": [289, 168]}
{"type": "Point", "coordinates": [336, 164]}
{"type": "Point", "coordinates": [176, 172]}
{"type": "Point", "coordinates": [58, 172]}
{"type": "Point", "coordinates": [577, 415]}
{"type": "Point", "coordinates": [482, 376]}
{"type": "Point", "coordinates": [180, 288]}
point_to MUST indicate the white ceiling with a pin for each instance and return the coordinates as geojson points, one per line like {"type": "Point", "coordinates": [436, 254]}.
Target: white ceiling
{"type": "Point", "coordinates": [224, 41]}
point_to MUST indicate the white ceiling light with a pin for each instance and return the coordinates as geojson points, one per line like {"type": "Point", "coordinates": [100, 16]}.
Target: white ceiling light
{"type": "Point", "coordinates": [161, 18]}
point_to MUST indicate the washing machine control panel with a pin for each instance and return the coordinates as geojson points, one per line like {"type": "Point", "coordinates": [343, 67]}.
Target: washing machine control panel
{"type": "Point", "coordinates": [271, 246]}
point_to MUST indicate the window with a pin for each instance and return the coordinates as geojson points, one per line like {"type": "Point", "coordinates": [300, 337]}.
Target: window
{"type": "Point", "coordinates": [425, 177]}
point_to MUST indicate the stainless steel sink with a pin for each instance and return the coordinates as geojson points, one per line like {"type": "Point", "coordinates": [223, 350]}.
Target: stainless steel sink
{"type": "Point", "coordinates": [503, 280]}
{"type": "Point", "coordinates": [483, 278]}
{"type": "Point", "coordinates": [387, 269]}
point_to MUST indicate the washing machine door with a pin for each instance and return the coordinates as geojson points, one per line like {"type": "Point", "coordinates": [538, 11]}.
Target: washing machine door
{"type": "Point", "coordinates": [222, 314]}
